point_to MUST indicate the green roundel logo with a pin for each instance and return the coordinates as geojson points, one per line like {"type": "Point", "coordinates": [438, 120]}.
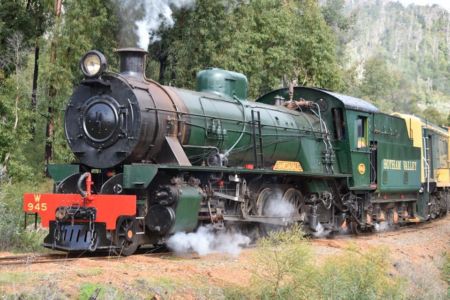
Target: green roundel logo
{"type": "Point", "coordinates": [362, 168]}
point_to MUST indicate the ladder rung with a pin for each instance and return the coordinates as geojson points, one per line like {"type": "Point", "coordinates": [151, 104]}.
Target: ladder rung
{"type": "Point", "coordinates": [140, 233]}
{"type": "Point", "coordinates": [140, 218]}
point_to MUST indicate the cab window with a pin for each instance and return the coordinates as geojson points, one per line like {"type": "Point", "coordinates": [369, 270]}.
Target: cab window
{"type": "Point", "coordinates": [361, 132]}
{"type": "Point", "coordinates": [338, 120]}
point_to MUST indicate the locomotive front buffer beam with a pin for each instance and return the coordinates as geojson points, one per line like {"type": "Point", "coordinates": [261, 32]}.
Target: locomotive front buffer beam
{"type": "Point", "coordinates": [78, 223]}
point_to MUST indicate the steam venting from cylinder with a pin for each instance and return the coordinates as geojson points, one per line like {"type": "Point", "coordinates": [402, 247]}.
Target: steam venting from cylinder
{"type": "Point", "coordinates": [132, 62]}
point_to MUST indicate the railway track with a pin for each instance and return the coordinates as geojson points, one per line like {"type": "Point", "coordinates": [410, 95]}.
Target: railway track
{"type": "Point", "coordinates": [46, 258]}
{"type": "Point", "coordinates": [30, 259]}
{"type": "Point", "coordinates": [412, 227]}
{"type": "Point", "coordinates": [65, 258]}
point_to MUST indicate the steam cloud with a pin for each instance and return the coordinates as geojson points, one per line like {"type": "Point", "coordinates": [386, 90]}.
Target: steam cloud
{"type": "Point", "coordinates": [157, 12]}
{"type": "Point", "coordinates": [279, 208]}
{"type": "Point", "coordinates": [276, 206]}
{"type": "Point", "coordinates": [382, 226]}
{"type": "Point", "coordinates": [205, 241]}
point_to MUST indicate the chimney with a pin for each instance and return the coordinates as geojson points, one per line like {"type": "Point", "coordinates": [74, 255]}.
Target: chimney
{"type": "Point", "coordinates": [132, 62]}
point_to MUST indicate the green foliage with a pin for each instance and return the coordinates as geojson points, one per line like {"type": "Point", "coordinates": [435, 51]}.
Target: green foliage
{"type": "Point", "coordinates": [99, 291]}
{"type": "Point", "coordinates": [286, 269]}
{"type": "Point", "coordinates": [15, 116]}
{"type": "Point", "coordinates": [28, 18]}
{"type": "Point", "coordinates": [83, 25]}
{"type": "Point", "coordinates": [354, 275]}
{"type": "Point", "coordinates": [13, 236]}
{"type": "Point", "coordinates": [433, 115]}
{"type": "Point", "coordinates": [269, 41]}
{"type": "Point", "coordinates": [72, 36]}
{"type": "Point", "coordinates": [386, 87]}
{"type": "Point", "coordinates": [401, 55]}
{"type": "Point", "coordinates": [334, 15]}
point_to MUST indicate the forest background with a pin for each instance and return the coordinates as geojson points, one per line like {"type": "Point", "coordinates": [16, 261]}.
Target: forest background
{"type": "Point", "coordinates": [393, 56]}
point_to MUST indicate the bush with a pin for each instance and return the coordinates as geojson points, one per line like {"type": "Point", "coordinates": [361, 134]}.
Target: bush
{"type": "Point", "coordinates": [13, 236]}
{"type": "Point", "coordinates": [286, 269]}
{"type": "Point", "coordinates": [354, 275]}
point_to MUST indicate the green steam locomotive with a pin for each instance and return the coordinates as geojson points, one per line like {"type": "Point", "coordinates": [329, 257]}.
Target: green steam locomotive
{"type": "Point", "coordinates": [153, 160]}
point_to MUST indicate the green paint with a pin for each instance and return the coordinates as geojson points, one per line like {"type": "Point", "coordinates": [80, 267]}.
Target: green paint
{"type": "Point", "coordinates": [188, 206]}
{"type": "Point", "coordinates": [316, 186]}
{"type": "Point", "coordinates": [422, 205]}
{"type": "Point", "coordinates": [398, 162]}
{"type": "Point", "coordinates": [223, 82]}
{"type": "Point", "coordinates": [247, 171]}
{"type": "Point", "coordinates": [138, 176]}
{"type": "Point", "coordinates": [225, 124]}
{"type": "Point", "coordinates": [59, 172]}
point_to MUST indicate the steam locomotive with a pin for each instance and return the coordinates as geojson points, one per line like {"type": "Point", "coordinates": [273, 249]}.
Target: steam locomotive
{"type": "Point", "coordinates": [154, 160]}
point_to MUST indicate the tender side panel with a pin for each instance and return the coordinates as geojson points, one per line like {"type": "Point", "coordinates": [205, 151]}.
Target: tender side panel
{"type": "Point", "coordinates": [414, 127]}
{"type": "Point", "coordinates": [398, 161]}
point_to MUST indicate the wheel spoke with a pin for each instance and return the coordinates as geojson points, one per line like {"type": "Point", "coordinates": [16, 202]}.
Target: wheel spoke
{"type": "Point", "coordinates": [293, 196]}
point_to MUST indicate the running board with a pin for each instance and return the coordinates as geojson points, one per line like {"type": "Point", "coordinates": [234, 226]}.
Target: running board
{"type": "Point", "coordinates": [267, 220]}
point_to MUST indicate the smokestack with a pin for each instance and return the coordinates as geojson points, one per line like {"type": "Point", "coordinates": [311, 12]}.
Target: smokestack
{"type": "Point", "coordinates": [132, 61]}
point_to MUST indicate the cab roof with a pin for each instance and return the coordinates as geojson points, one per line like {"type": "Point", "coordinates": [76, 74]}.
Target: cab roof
{"type": "Point", "coordinates": [348, 101]}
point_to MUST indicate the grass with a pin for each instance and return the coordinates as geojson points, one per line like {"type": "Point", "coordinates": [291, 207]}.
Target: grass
{"type": "Point", "coordinates": [13, 236]}
{"type": "Point", "coordinates": [9, 278]}
{"type": "Point", "coordinates": [99, 291]}
{"type": "Point", "coordinates": [284, 268]}
{"type": "Point", "coordinates": [89, 272]}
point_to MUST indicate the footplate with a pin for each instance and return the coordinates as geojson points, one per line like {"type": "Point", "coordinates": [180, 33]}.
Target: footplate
{"type": "Point", "coordinates": [77, 237]}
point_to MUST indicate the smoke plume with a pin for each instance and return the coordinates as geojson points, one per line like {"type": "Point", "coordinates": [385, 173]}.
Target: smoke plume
{"type": "Point", "coordinates": [206, 240]}
{"type": "Point", "coordinates": [152, 13]}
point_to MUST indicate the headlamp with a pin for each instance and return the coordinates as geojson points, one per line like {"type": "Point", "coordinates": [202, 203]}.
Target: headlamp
{"type": "Point", "coordinates": [93, 63]}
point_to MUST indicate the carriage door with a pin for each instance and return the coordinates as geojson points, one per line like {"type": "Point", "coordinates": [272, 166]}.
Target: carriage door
{"type": "Point", "coordinates": [428, 156]}
{"type": "Point", "coordinates": [359, 148]}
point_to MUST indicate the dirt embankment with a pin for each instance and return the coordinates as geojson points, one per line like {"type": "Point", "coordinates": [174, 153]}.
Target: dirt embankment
{"type": "Point", "coordinates": [416, 252]}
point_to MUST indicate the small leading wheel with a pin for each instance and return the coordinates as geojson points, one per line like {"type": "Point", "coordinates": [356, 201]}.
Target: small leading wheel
{"type": "Point", "coordinates": [125, 237]}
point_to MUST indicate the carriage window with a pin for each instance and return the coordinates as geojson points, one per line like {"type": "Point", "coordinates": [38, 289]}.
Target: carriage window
{"type": "Point", "coordinates": [338, 119]}
{"type": "Point", "coordinates": [361, 132]}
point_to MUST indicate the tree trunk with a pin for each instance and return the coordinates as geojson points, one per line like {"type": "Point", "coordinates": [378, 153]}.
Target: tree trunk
{"type": "Point", "coordinates": [34, 87]}
{"type": "Point", "coordinates": [49, 132]}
